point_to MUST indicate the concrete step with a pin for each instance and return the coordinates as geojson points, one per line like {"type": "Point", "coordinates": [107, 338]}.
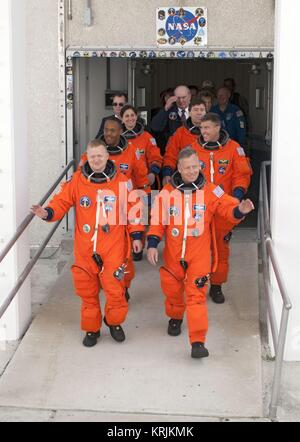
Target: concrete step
{"type": "Point", "coordinates": [150, 373]}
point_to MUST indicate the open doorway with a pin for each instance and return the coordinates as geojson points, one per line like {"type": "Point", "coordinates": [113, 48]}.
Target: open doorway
{"type": "Point", "coordinates": [142, 79]}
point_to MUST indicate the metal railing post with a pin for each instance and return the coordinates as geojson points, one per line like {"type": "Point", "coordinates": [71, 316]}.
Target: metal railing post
{"type": "Point", "coordinates": [279, 362]}
{"type": "Point", "coordinates": [269, 257]}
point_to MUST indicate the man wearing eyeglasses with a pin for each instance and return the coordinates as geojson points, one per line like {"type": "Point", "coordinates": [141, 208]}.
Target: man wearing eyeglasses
{"type": "Point", "coordinates": [118, 101]}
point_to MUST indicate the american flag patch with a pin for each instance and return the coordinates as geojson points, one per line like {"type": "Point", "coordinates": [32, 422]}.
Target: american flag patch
{"type": "Point", "coordinates": [153, 141]}
{"type": "Point", "coordinates": [241, 151]}
{"type": "Point", "coordinates": [218, 192]}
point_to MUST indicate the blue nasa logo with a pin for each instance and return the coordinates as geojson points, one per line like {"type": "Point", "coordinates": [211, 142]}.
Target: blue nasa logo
{"type": "Point", "coordinates": [85, 202]}
{"type": "Point", "coordinates": [173, 211]}
{"type": "Point", "coordinates": [222, 170]}
{"type": "Point", "coordinates": [199, 207]}
{"type": "Point", "coordinates": [109, 199]}
{"type": "Point", "coordinates": [182, 26]}
{"type": "Point", "coordinates": [124, 166]}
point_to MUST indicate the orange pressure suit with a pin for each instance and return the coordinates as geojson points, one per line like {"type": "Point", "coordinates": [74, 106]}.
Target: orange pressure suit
{"type": "Point", "coordinates": [132, 166]}
{"type": "Point", "coordinates": [184, 136]}
{"type": "Point", "coordinates": [128, 162]}
{"type": "Point", "coordinates": [224, 163]}
{"type": "Point", "coordinates": [101, 240]}
{"type": "Point", "coordinates": [145, 146]}
{"type": "Point", "coordinates": [187, 253]}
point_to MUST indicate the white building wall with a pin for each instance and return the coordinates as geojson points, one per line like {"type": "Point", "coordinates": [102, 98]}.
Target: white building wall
{"type": "Point", "coordinates": [285, 197]}
{"type": "Point", "coordinates": [14, 204]}
{"type": "Point", "coordinates": [231, 23]}
{"type": "Point", "coordinates": [44, 137]}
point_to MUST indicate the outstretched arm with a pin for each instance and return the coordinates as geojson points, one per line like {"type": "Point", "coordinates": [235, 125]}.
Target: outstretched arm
{"type": "Point", "coordinates": [39, 211]}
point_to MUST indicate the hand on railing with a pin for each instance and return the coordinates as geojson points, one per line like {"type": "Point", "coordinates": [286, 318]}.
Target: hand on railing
{"type": "Point", "coordinates": [246, 206]}
{"type": "Point", "coordinates": [39, 211]}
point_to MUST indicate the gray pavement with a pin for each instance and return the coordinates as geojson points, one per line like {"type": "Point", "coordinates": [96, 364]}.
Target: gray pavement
{"type": "Point", "coordinates": [149, 377]}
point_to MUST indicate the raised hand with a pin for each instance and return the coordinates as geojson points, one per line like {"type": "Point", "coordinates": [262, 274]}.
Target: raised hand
{"type": "Point", "coordinates": [170, 101]}
{"type": "Point", "coordinates": [246, 206]}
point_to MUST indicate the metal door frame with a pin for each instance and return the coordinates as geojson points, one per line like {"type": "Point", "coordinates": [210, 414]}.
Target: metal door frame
{"type": "Point", "coordinates": [74, 52]}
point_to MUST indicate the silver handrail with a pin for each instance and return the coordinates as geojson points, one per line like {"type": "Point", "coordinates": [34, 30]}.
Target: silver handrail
{"type": "Point", "coordinates": [26, 271]}
{"type": "Point", "coordinates": [269, 257]}
{"type": "Point", "coordinates": [19, 232]}
{"type": "Point", "coordinates": [30, 216]}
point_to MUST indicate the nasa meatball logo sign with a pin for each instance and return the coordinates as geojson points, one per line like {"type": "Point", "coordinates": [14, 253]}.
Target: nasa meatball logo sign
{"type": "Point", "coordinates": [181, 27]}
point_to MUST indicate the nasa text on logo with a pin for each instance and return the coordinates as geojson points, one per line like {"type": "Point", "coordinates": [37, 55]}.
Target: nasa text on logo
{"type": "Point", "coordinates": [183, 25]}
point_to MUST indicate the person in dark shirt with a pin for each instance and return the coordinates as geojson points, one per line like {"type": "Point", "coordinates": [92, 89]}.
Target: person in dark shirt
{"type": "Point", "coordinates": [232, 117]}
{"type": "Point", "coordinates": [237, 99]}
{"type": "Point", "coordinates": [118, 101]}
{"type": "Point", "coordinates": [172, 116]}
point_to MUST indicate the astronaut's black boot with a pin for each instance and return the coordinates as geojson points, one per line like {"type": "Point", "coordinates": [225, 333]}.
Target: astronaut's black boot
{"type": "Point", "coordinates": [174, 327]}
{"type": "Point", "coordinates": [199, 350]}
{"type": "Point", "coordinates": [216, 294]}
{"type": "Point", "coordinates": [116, 331]}
{"type": "Point", "coordinates": [91, 338]}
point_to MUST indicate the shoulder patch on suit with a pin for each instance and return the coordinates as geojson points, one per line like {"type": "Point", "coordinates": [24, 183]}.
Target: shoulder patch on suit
{"type": "Point", "coordinates": [153, 141]}
{"type": "Point", "coordinates": [241, 151]}
{"type": "Point", "coordinates": [239, 114]}
{"type": "Point", "coordinates": [173, 116]}
{"type": "Point", "coordinates": [218, 191]}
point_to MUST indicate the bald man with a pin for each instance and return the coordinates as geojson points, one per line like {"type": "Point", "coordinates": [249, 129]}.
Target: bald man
{"type": "Point", "coordinates": [173, 115]}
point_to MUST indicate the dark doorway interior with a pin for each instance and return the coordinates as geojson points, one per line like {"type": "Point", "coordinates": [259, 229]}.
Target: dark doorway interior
{"type": "Point", "coordinates": [253, 79]}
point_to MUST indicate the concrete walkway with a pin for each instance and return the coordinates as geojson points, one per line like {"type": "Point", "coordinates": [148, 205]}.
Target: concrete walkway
{"type": "Point", "coordinates": [151, 374]}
